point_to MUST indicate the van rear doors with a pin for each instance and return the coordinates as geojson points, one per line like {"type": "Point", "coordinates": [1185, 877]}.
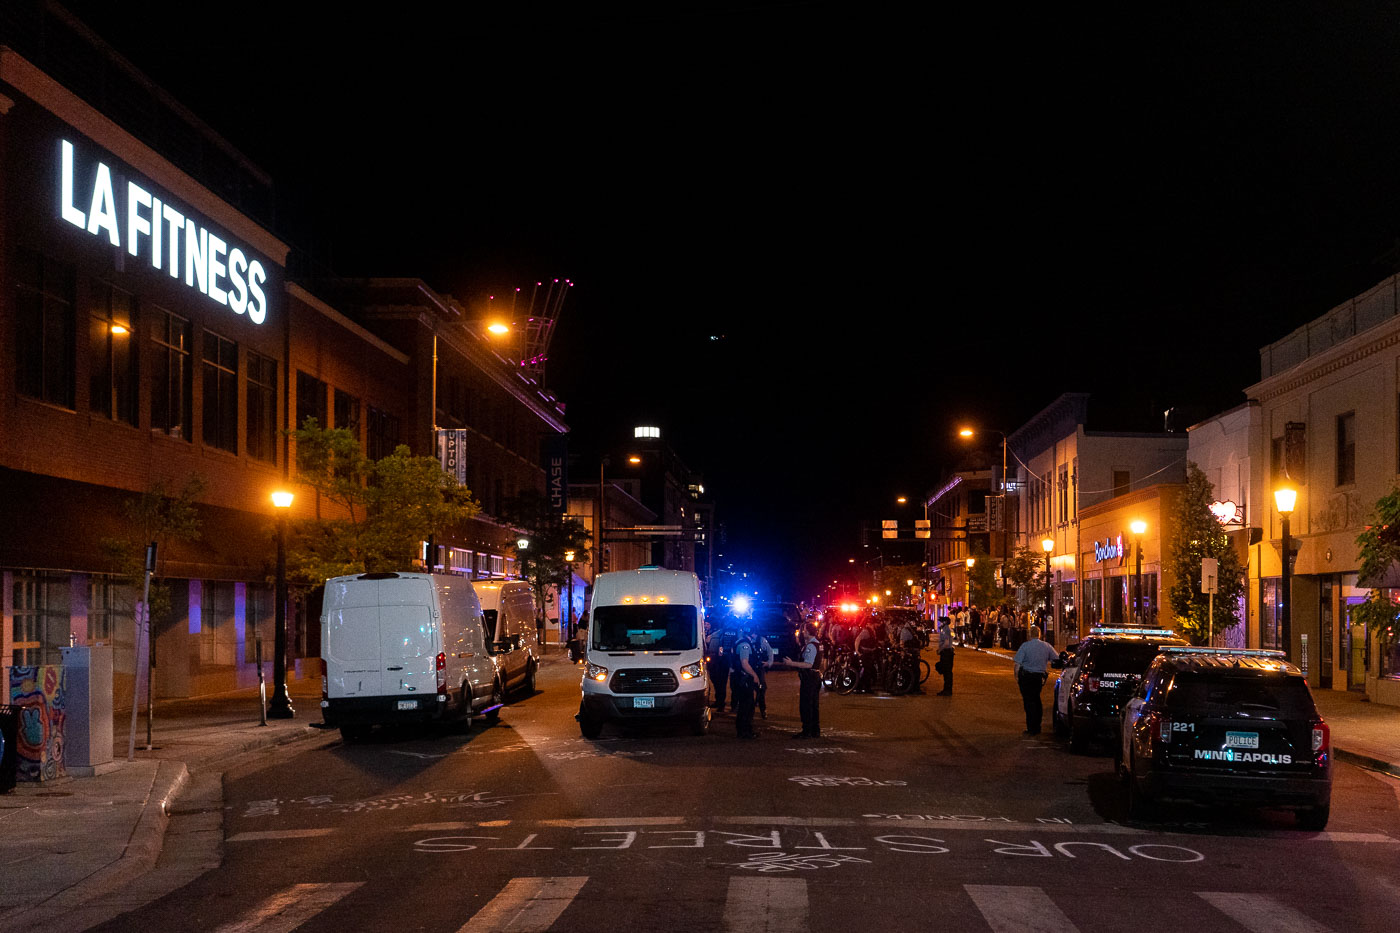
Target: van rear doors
{"type": "Point", "coordinates": [382, 637]}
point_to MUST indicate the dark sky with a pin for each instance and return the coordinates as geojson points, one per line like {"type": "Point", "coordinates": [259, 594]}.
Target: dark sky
{"type": "Point", "coordinates": [896, 220]}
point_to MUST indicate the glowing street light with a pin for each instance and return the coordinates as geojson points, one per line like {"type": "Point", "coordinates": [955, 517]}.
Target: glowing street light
{"type": "Point", "coordinates": [1139, 528]}
{"type": "Point", "coordinates": [1285, 499]}
{"type": "Point", "coordinates": [281, 705]}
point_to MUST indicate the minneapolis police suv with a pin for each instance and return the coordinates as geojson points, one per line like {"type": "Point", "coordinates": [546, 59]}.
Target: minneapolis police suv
{"type": "Point", "coordinates": [1105, 670]}
{"type": "Point", "coordinates": [1226, 726]}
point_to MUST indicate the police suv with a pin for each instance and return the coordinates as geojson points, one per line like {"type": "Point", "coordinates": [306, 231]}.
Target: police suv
{"type": "Point", "coordinates": [1099, 678]}
{"type": "Point", "coordinates": [1226, 726]}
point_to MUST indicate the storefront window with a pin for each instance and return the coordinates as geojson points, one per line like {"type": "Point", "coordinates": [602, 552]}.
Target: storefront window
{"type": "Point", "coordinates": [1093, 603]}
{"type": "Point", "coordinates": [1270, 612]}
{"type": "Point", "coordinates": [41, 617]}
{"type": "Point", "coordinates": [1390, 654]}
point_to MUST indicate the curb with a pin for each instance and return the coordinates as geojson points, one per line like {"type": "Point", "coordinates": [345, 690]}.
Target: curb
{"type": "Point", "coordinates": [1366, 761]}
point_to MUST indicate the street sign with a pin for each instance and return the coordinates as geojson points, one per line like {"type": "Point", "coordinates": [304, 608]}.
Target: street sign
{"type": "Point", "coordinates": [1210, 574]}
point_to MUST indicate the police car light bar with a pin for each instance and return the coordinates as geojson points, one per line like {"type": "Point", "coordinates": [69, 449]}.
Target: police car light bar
{"type": "Point", "coordinates": [1229, 652]}
{"type": "Point", "coordinates": [1108, 630]}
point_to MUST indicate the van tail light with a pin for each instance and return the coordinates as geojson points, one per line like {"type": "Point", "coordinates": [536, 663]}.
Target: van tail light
{"type": "Point", "coordinates": [1093, 685]}
{"type": "Point", "coordinates": [1321, 742]}
{"type": "Point", "coordinates": [325, 688]}
{"type": "Point", "coordinates": [442, 674]}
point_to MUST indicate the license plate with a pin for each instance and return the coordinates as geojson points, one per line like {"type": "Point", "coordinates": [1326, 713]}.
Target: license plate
{"type": "Point", "coordinates": [644, 702]}
{"type": "Point", "coordinates": [408, 704]}
{"type": "Point", "coordinates": [1241, 740]}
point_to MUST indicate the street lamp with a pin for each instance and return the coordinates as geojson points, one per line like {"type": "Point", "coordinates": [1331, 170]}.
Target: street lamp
{"type": "Point", "coordinates": [281, 705]}
{"type": "Point", "coordinates": [1048, 546]}
{"type": "Point", "coordinates": [1286, 498]}
{"type": "Point", "coordinates": [969, 433]}
{"type": "Point", "coordinates": [1139, 529]}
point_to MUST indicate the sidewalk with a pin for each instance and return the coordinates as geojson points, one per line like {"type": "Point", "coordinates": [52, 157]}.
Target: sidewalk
{"type": "Point", "coordinates": [77, 840]}
{"type": "Point", "coordinates": [1363, 733]}
{"type": "Point", "coordinates": [66, 842]}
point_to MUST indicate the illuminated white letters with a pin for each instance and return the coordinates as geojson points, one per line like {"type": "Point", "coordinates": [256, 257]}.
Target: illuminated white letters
{"type": "Point", "coordinates": [70, 213]}
{"type": "Point", "coordinates": [103, 213]}
{"type": "Point", "coordinates": [136, 225]}
{"type": "Point", "coordinates": [158, 227]}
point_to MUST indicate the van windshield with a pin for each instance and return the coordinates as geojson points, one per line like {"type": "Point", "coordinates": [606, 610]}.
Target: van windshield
{"type": "Point", "coordinates": [645, 628]}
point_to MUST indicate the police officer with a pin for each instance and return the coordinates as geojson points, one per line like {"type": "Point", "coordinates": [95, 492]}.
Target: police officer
{"type": "Point", "coordinates": [763, 660]}
{"type": "Point", "coordinates": [1031, 668]}
{"type": "Point", "coordinates": [743, 680]}
{"type": "Point", "coordinates": [809, 683]}
{"type": "Point", "coordinates": [909, 650]}
{"type": "Point", "coordinates": [945, 657]}
{"type": "Point", "coordinates": [719, 663]}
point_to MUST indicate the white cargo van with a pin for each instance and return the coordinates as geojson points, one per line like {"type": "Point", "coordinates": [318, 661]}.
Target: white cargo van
{"type": "Point", "coordinates": [509, 610]}
{"type": "Point", "coordinates": [404, 647]}
{"type": "Point", "coordinates": [646, 651]}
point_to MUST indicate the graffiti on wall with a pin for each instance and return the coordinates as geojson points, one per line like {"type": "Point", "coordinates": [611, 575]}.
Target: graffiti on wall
{"type": "Point", "coordinates": [38, 692]}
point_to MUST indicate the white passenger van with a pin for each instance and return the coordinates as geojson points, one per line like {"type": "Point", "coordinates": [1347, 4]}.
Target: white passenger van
{"type": "Point", "coordinates": [646, 651]}
{"type": "Point", "coordinates": [404, 647]}
{"type": "Point", "coordinates": [509, 610]}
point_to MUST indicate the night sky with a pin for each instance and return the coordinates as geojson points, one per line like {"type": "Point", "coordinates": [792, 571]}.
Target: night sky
{"type": "Point", "coordinates": [894, 222]}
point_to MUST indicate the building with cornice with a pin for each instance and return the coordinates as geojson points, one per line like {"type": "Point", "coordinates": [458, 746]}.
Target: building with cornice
{"type": "Point", "coordinates": [1329, 408]}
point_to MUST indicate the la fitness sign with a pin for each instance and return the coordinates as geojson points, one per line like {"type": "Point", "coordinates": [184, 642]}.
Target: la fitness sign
{"type": "Point", "coordinates": [1111, 549]}
{"type": "Point", "coordinates": [163, 234]}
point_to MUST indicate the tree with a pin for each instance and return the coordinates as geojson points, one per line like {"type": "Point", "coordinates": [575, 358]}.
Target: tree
{"type": "Point", "coordinates": [1379, 546]}
{"type": "Point", "coordinates": [892, 577]}
{"type": "Point", "coordinates": [550, 536]}
{"type": "Point", "coordinates": [1197, 534]}
{"type": "Point", "coordinates": [159, 516]}
{"type": "Point", "coordinates": [1025, 571]}
{"type": "Point", "coordinates": [984, 578]}
{"type": "Point", "coordinates": [389, 506]}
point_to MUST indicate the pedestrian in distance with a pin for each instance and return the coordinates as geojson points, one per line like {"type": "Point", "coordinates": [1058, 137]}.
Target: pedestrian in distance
{"type": "Point", "coordinates": [1031, 667]}
{"type": "Point", "coordinates": [945, 658]}
{"type": "Point", "coordinates": [743, 681]}
{"type": "Point", "coordinates": [809, 683]}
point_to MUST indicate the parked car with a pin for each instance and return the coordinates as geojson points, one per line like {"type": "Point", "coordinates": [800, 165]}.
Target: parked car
{"type": "Point", "coordinates": [780, 624]}
{"type": "Point", "coordinates": [1232, 727]}
{"type": "Point", "coordinates": [1098, 679]}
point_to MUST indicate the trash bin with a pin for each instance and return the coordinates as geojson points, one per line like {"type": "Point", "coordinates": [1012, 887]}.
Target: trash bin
{"type": "Point", "coordinates": [9, 747]}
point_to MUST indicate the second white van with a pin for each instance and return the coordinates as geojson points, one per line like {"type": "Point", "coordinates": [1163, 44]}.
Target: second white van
{"type": "Point", "coordinates": [509, 610]}
{"type": "Point", "coordinates": [646, 651]}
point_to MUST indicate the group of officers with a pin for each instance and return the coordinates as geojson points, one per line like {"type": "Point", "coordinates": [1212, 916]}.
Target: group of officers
{"type": "Point", "coordinates": [740, 656]}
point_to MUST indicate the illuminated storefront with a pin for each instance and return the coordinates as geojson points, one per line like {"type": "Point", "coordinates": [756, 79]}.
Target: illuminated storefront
{"type": "Point", "coordinates": [1123, 549]}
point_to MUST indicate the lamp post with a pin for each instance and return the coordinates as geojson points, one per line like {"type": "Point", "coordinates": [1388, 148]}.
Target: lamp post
{"type": "Point", "coordinates": [1139, 529]}
{"type": "Point", "coordinates": [971, 562]}
{"type": "Point", "coordinates": [969, 432]}
{"type": "Point", "coordinates": [568, 631]}
{"type": "Point", "coordinates": [1286, 499]}
{"type": "Point", "coordinates": [1048, 546]}
{"type": "Point", "coordinates": [281, 705]}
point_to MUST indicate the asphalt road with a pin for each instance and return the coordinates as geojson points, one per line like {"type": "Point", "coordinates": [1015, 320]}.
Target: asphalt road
{"type": "Point", "coordinates": [912, 813]}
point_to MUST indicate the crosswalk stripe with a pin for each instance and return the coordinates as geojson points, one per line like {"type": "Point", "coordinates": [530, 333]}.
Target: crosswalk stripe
{"type": "Point", "coordinates": [1018, 909]}
{"type": "Point", "coordinates": [1261, 913]}
{"type": "Point", "coordinates": [525, 905]}
{"type": "Point", "coordinates": [286, 910]}
{"type": "Point", "coordinates": [766, 905]}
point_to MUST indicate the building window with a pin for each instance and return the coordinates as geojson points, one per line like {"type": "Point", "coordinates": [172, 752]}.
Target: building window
{"type": "Point", "coordinates": [112, 352]}
{"type": "Point", "coordinates": [171, 374]}
{"type": "Point", "coordinates": [1346, 449]}
{"type": "Point", "coordinates": [1121, 483]}
{"type": "Point", "coordinates": [259, 606]}
{"type": "Point", "coordinates": [347, 412]}
{"type": "Point", "coordinates": [220, 392]}
{"type": "Point", "coordinates": [41, 617]}
{"type": "Point", "coordinates": [217, 631]}
{"type": "Point", "coordinates": [383, 434]}
{"type": "Point", "coordinates": [45, 325]}
{"type": "Point", "coordinates": [311, 400]}
{"type": "Point", "coordinates": [1064, 493]}
{"type": "Point", "coordinates": [1270, 612]}
{"type": "Point", "coordinates": [261, 438]}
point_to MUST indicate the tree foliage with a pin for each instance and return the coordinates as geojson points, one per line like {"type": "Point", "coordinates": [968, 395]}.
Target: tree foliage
{"type": "Point", "coordinates": [984, 578]}
{"type": "Point", "coordinates": [158, 515]}
{"type": "Point", "coordinates": [1025, 570]}
{"type": "Point", "coordinates": [385, 508]}
{"type": "Point", "coordinates": [550, 535]}
{"type": "Point", "coordinates": [1379, 546]}
{"type": "Point", "coordinates": [1198, 534]}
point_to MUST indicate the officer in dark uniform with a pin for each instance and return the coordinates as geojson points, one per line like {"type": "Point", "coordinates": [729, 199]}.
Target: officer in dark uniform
{"type": "Point", "coordinates": [719, 660]}
{"type": "Point", "coordinates": [809, 683]}
{"type": "Point", "coordinates": [743, 680]}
